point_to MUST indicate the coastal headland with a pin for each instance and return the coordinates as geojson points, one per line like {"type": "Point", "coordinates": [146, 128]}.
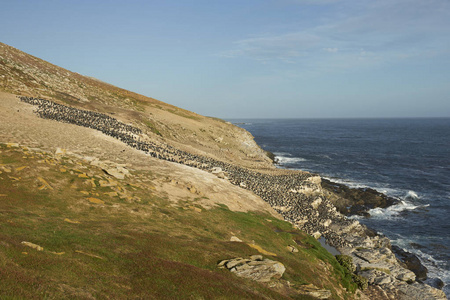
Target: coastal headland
{"type": "Point", "coordinates": [209, 163]}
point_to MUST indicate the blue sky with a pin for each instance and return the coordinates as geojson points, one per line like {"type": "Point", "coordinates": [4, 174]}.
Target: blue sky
{"type": "Point", "coordinates": [248, 58]}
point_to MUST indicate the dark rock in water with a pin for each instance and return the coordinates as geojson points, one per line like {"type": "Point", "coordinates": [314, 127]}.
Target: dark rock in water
{"type": "Point", "coordinates": [435, 282]}
{"type": "Point", "coordinates": [365, 214]}
{"type": "Point", "coordinates": [271, 156]}
{"type": "Point", "coordinates": [351, 201]}
{"type": "Point", "coordinates": [370, 232]}
{"type": "Point", "coordinates": [417, 246]}
{"type": "Point", "coordinates": [411, 262]}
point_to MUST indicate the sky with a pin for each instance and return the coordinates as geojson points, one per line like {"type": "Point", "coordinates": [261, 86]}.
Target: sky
{"type": "Point", "coordinates": [251, 58]}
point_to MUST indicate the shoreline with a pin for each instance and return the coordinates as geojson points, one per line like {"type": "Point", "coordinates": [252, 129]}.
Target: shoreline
{"type": "Point", "coordinates": [354, 201]}
{"type": "Point", "coordinates": [296, 195]}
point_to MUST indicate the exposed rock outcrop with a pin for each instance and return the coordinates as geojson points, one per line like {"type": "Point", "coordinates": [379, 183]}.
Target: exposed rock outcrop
{"type": "Point", "coordinates": [31, 245]}
{"type": "Point", "coordinates": [313, 291]}
{"type": "Point", "coordinates": [256, 268]}
{"type": "Point", "coordinates": [356, 201]}
{"type": "Point", "coordinates": [297, 196]}
{"type": "Point", "coordinates": [374, 260]}
{"type": "Point", "coordinates": [411, 262]}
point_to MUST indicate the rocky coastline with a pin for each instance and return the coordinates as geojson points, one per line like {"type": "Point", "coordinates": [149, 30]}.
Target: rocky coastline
{"type": "Point", "coordinates": [359, 201]}
{"type": "Point", "coordinates": [356, 201]}
{"type": "Point", "coordinates": [299, 197]}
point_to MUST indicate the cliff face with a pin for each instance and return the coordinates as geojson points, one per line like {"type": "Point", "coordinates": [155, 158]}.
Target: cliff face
{"type": "Point", "coordinates": [109, 220]}
{"type": "Point", "coordinates": [26, 75]}
{"type": "Point", "coordinates": [145, 199]}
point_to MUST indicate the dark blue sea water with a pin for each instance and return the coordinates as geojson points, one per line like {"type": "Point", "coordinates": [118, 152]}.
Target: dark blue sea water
{"type": "Point", "coordinates": [405, 158]}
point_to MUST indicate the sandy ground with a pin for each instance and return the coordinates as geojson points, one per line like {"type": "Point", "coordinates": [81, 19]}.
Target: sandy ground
{"type": "Point", "coordinates": [18, 124]}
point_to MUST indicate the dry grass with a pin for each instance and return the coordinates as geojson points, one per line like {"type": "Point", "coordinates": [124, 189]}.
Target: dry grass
{"type": "Point", "coordinates": [147, 236]}
{"type": "Point", "coordinates": [24, 74]}
{"type": "Point", "coordinates": [143, 246]}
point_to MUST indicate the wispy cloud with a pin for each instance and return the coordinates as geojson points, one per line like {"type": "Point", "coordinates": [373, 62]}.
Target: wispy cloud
{"type": "Point", "coordinates": [364, 34]}
{"type": "Point", "coordinates": [283, 47]}
{"type": "Point", "coordinates": [331, 50]}
{"type": "Point", "coordinates": [313, 2]}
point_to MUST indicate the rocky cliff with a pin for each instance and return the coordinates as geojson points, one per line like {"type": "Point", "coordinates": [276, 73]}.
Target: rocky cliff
{"type": "Point", "coordinates": [26, 75]}
{"type": "Point", "coordinates": [144, 197]}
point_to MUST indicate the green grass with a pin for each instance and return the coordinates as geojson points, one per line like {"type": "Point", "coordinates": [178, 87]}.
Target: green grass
{"type": "Point", "coordinates": [183, 114]}
{"type": "Point", "coordinates": [8, 160]}
{"type": "Point", "coordinates": [154, 248]}
{"type": "Point", "coordinates": [152, 127]}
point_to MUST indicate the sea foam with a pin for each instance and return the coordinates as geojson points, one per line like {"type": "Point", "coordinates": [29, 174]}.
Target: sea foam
{"type": "Point", "coordinates": [287, 159]}
{"type": "Point", "coordinates": [436, 268]}
{"type": "Point", "coordinates": [394, 211]}
{"type": "Point", "coordinates": [411, 195]}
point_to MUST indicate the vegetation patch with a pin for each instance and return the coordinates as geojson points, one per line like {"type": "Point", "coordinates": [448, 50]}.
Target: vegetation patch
{"type": "Point", "coordinates": [183, 114]}
{"type": "Point", "coordinates": [347, 262]}
{"type": "Point", "coordinates": [134, 243]}
{"type": "Point", "coordinates": [271, 156]}
{"type": "Point", "coordinates": [152, 127]}
{"type": "Point", "coordinates": [362, 282]}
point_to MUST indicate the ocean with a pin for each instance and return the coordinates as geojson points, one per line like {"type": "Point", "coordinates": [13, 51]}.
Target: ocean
{"type": "Point", "coordinates": [404, 158]}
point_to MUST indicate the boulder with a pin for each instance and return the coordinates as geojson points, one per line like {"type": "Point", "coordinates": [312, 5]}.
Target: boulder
{"type": "Point", "coordinates": [356, 201]}
{"type": "Point", "coordinates": [60, 152]}
{"type": "Point", "coordinates": [406, 275]}
{"type": "Point", "coordinates": [377, 277]}
{"type": "Point", "coordinates": [256, 268]}
{"type": "Point", "coordinates": [376, 255]}
{"type": "Point", "coordinates": [256, 257]}
{"type": "Point", "coordinates": [314, 179]}
{"type": "Point", "coordinates": [115, 173]}
{"type": "Point", "coordinates": [218, 172]}
{"type": "Point", "coordinates": [95, 200]}
{"type": "Point", "coordinates": [418, 291]}
{"type": "Point", "coordinates": [315, 204]}
{"type": "Point", "coordinates": [235, 239]}
{"type": "Point", "coordinates": [435, 282]}
{"type": "Point", "coordinates": [327, 223]}
{"type": "Point", "coordinates": [292, 249]}
{"type": "Point", "coordinates": [31, 245]}
{"type": "Point", "coordinates": [412, 262]}
{"type": "Point", "coordinates": [314, 291]}
{"type": "Point", "coordinates": [110, 168]}
{"type": "Point", "coordinates": [316, 235]}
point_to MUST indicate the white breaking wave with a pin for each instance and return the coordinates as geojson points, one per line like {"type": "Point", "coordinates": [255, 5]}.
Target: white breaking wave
{"type": "Point", "coordinates": [393, 212]}
{"type": "Point", "coordinates": [412, 195]}
{"type": "Point", "coordinates": [282, 154]}
{"type": "Point", "coordinates": [391, 192]}
{"type": "Point", "coordinates": [351, 184]}
{"type": "Point", "coordinates": [287, 160]}
{"type": "Point", "coordinates": [435, 267]}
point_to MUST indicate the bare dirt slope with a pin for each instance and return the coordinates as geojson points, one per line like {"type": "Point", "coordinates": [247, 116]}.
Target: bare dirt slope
{"type": "Point", "coordinates": [85, 216]}
{"type": "Point", "coordinates": [70, 228]}
{"type": "Point", "coordinates": [26, 75]}
{"type": "Point", "coordinates": [20, 125]}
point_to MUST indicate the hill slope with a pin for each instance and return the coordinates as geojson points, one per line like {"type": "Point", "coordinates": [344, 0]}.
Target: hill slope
{"type": "Point", "coordinates": [87, 216]}
{"type": "Point", "coordinates": [26, 75]}
{"type": "Point", "coordinates": [105, 193]}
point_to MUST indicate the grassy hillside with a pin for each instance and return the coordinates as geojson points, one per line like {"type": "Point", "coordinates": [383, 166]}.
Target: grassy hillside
{"type": "Point", "coordinates": [72, 228]}
{"type": "Point", "coordinates": [26, 75]}
{"type": "Point", "coordinates": [108, 238]}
